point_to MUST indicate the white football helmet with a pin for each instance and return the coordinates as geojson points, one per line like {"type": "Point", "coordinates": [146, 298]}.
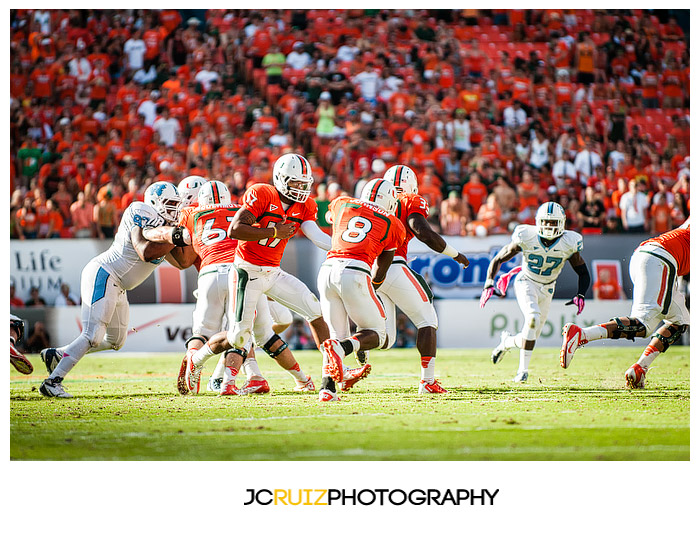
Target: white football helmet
{"type": "Point", "coordinates": [164, 198]}
{"type": "Point", "coordinates": [381, 193]}
{"type": "Point", "coordinates": [214, 193]}
{"type": "Point", "coordinates": [189, 188]}
{"type": "Point", "coordinates": [550, 220]}
{"type": "Point", "coordinates": [403, 178]}
{"type": "Point", "coordinates": [293, 167]}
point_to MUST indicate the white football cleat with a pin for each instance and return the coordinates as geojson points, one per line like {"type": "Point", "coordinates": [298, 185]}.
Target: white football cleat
{"type": "Point", "coordinates": [521, 377]}
{"type": "Point", "coordinates": [500, 350]}
{"type": "Point", "coordinates": [193, 374]}
{"type": "Point", "coordinates": [214, 384]}
{"type": "Point", "coordinates": [573, 339]}
{"type": "Point", "coordinates": [635, 376]}
{"type": "Point", "coordinates": [307, 386]}
{"type": "Point", "coordinates": [54, 388]}
{"type": "Point", "coordinates": [326, 395]}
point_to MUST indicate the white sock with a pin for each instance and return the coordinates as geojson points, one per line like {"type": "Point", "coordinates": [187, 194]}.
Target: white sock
{"type": "Point", "coordinates": [219, 369]}
{"type": "Point", "coordinates": [427, 369]}
{"type": "Point", "coordinates": [251, 368]}
{"type": "Point", "coordinates": [72, 353]}
{"type": "Point", "coordinates": [230, 374]}
{"type": "Point", "coordinates": [202, 355]}
{"type": "Point", "coordinates": [650, 353]}
{"type": "Point", "coordinates": [594, 333]}
{"type": "Point", "coordinates": [525, 356]}
{"type": "Point", "coordinates": [297, 373]}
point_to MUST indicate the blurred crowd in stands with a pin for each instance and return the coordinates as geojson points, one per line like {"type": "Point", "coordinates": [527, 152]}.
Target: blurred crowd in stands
{"type": "Point", "coordinates": [497, 111]}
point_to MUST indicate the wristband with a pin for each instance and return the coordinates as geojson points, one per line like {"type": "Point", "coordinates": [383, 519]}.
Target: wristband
{"type": "Point", "coordinates": [274, 230]}
{"type": "Point", "coordinates": [450, 251]}
{"type": "Point", "coordinates": [488, 283]}
{"type": "Point", "coordinates": [178, 236]}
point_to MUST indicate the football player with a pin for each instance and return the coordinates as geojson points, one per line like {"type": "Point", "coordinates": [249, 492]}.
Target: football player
{"type": "Point", "coordinates": [21, 363]}
{"type": "Point", "coordinates": [364, 230]}
{"type": "Point", "coordinates": [188, 189]}
{"type": "Point", "coordinates": [105, 280]}
{"type": "Point", "coordinates": [207, 223]}
{"type": "Point", "coordinates": [406, 288]}
{"type": "Point", "coordinates": [657, 303]}
{"type": "Point", "coordinates": [269, 217]}
{"type": "Point", "coordinates": [545, 246]}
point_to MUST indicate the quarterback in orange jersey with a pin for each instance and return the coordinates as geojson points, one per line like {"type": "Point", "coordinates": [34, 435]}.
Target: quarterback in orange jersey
{"type": "Point", "coordinates": [405, 288]}
{"type": "Point", "coordinates": [657, 303]}
{"type": "Point", "coordinates": [268, 218]}
{"type": "Point", "coordinates": [207, 223]}
{"type": "Point", "coordinates": [364, 230]}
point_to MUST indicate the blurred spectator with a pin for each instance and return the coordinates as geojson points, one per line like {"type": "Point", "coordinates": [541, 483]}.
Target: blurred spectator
{"type": "Point", "coordinates": [105, 217]}
{"type": "Point", "coordinates": [27, 220]}
{"type": "Point", "coordinates": [591, 213]}
{"type": "Point", "coordinates": [274, 62]}
{"type": "Point", "coordinates": [66, 297]}
{"type": "Point", "coordinates": [488, 219]}
{"type": "Point", "coordinates": [82, 216]}
{"type": "Point", "coordinates": [607, 287]}
{"type": "Point", "coordinates": [564, 171]}
{"type": "Point", "coordinates": [586, 161]}
{"type": "Point", "coordinates": [38, 339]}
{"type": "Point", "coordinates": [14, 300]}
{"type": "Point", "coordinates": [368, 82]}
{"type": "Point", "coordinates": [454, 215]}
{"type": "Point", "coordinates": [298, 58]}
{"type": "Point", "coordinates": [35, 300]}
{"type": "Point", "coordinates": [633, 206]}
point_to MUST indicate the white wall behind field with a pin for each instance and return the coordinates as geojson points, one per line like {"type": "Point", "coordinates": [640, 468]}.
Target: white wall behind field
{"type": "Point", "coordinates": [165, 327]}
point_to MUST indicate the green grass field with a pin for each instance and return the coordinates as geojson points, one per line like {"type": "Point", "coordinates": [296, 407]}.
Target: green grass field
{"type": "Point", "coordinates": [126, 408]}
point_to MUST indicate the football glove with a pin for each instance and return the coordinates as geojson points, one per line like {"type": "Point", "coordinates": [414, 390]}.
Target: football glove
{"type": "Point", "coordinates": [486, 294]}
{"type": "Point", "coordinates": [579, 301]}
{"type": "Point", "coordinates": [504, 280]}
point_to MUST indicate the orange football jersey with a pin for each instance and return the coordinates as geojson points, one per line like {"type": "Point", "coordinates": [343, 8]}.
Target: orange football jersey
{"type": "Point", "coordinates": [362, 230]}
{"type": "Point", "coordinates": [677, 243]}
{"type": "Point", "coordinates": [263, 201]}
{"type": "Point", "coordinates": [409, 204]}
{"type": "Point", "coordinates": [208, 226]}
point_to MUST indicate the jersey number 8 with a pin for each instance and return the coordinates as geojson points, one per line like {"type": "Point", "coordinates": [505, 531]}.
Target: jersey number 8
{"type": "Point", "coordinates": [357, 230]}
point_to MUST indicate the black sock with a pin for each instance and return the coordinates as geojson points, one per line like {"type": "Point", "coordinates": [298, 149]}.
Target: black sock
{"type": "Point", "coordinates": [347, 346]}
{"type": "Point", "coordinates": [327, 383]}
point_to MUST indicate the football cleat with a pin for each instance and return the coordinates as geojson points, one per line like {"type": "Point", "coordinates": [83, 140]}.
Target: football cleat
{"type": "Point", "coordinates": [181, 382]}
{"type": "Point", "coordinates": [500, 350]}
{"type": "Point", "coordinates": [214, 384]}
{"type": "Point", "coordinates": [362, 356]}
{"type": "Point", "coordinates": [255, 387]}
{"type": "Point", "coordinates": [573, 339]}
{"type": "Point", "coordinates": [21, 363]}
{"type": "Point", "coordinates": [308, 385]}
{"type": "Point", "coordinates": [230, 389]}
{"type": "Point", "coordinates": [334, 353]}
{"type": "Point", "coordinates": [352, 376]}
{"type": "Point", "coordinates": [54, 388]}
{"type": "Point", "coordinates": [521, 377]}
{"type": "Point", "coordinates": [193, 374]}
{"type": "Point", "coordinates": [434, 387]}
{"type": "Point", "coordinates": [51, 358]}
{"type": "Point", "coordinates": [326, 395]}
{"type": "Point", "coordinates": [634, 377]}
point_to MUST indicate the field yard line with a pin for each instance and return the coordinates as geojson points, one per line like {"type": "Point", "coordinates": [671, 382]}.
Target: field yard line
{"type": "Point", "coordinates": [316, 416]}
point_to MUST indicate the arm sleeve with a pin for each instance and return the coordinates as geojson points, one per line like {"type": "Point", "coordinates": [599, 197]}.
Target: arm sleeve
{"type": "Point", "coordinates": [584, 278]}
{"type": "Point", "coordinates": [318, 237]}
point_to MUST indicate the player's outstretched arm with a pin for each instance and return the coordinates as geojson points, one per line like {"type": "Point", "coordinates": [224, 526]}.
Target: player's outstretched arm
{"type": "Point", "coordinates": [147, 250]}
{"type": "Point", "coordinates": [507, 252]}
{"type": "Point", "coordinates": [314, 233]}
{"type": "Point", "coordinates": [421, 228]}
{"type": "Point", "coordinates": [584, 281]}
{"type": "Point", "coordinates": [168, 234]}
{"type": "Point", "coordinates": [242, 228]}
{"type": "Point", "coordinates": [383, 264]}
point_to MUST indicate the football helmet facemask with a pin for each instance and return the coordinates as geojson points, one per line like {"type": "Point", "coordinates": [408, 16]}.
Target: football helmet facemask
{"type": "Point", "coordinates": [291, 176]}
{"type": "Point", "coordinates": [164, 198]}
{"type": "Point", "coordinates": [550, 220]}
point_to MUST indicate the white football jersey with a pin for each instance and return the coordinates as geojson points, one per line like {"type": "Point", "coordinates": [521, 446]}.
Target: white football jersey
{"type": "Point", "coordinates": [121, 259]}
{"type": "Point", "coordinates": [541, 263]}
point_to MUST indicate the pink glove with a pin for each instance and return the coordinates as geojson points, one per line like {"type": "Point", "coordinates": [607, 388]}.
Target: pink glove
{"type": "Point", "coordinates": [504, 280]}
{"type": "Point", "coordinates": [485, 295]}
{"type": "Point", "coordinates": [579, 301]}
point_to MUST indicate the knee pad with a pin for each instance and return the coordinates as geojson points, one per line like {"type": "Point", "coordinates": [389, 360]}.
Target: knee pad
{"type": "Point", "coordinates": [196, 338]}
{"type": "Point", "coordinates": [635, 329]}
{"type": "Point", "coordinates": [241, 351]}
{"type": "Point", "coordinates": [271, 341]}
{"type": "Point", "coordinates": [532, 322]}
{"type": "Point", "coordinates": [676, 332]}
